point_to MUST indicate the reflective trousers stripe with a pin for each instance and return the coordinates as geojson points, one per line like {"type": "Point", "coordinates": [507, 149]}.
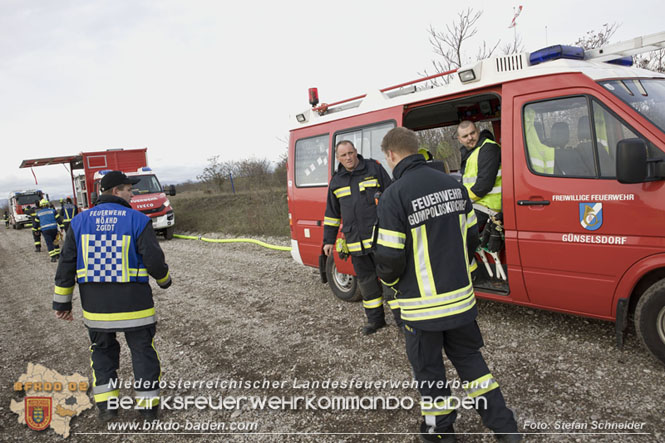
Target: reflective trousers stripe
{"type": "Point", "coordinates": [106, 395]}
{"type": "Point", "coordinates": [481, 385]}
{"type": "Point", "coordinates": [441, 407]}
{"type": "Point", "coordinates": [372, 304]}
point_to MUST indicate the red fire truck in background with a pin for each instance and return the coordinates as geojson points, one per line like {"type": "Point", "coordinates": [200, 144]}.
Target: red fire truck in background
{"type": "Point", "coordinates": [18, 203]}
{"type": "Point", "coordinates": [582, 137]}
{"type": "Point", "coordinates": [149, 195]}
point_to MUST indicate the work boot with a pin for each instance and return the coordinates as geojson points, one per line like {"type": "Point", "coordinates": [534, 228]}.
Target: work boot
{"type": "Point", "coordinates": [149, 413]}
{"type": "Point", "coordinates": [54, 259]}
{"type": "Point", "coordinates": [38, 249]}
{"type": "Point", "coordinates": [447, 436]}
{"type": "Point", "coordinates": [371, 328]}
{"type": "Point", "coordinates": [107, 415]}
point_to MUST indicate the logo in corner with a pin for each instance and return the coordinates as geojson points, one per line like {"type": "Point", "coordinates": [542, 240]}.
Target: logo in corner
{"type": "Point", "coordinates": [38, 412]}
{"type": "Point", "coordinates": [591, 215]}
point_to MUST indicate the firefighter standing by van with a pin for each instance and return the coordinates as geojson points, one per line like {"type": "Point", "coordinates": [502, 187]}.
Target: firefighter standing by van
{"type": "Point", "coordinates": [351, 201]}
{"type": "Point", "coordinates": [426, 236]}
{"type": "Point", "coordinates": [112, 251]}
{"type": "Point", "coordinates": [47, 221]}
{"type": "Point", "coordinates": [481, 170]}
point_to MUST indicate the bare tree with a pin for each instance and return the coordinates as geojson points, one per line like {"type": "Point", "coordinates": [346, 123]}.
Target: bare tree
{"type": "Point", "coordinates": [514, 47]}
{"type": "Point", "coordinates": [653, 61]}
{"type": "Point", "coordinates": [216, 173]}
{"type": "Point", "coordinates": [449, 44]}
{"type": "Point", "coordinates": [595, 39]}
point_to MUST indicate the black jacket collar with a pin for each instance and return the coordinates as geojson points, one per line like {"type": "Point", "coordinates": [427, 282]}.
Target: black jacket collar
{"type": "Point", "coordinates": [341, 170]}
{"type": "Point", "coordinates": [410, 162]}
{"type": "Point", "coordinates": [104, 198]}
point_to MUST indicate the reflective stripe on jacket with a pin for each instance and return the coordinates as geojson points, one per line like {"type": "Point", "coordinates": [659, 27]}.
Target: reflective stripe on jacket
{"type": "Point", "coordinates": [46, 219]}
{"type": "Point", "coordinates": [351, 203]}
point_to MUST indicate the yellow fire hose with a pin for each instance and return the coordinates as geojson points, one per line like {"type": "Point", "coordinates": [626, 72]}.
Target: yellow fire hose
{"type": "Point", "coordinates": [233, 240]}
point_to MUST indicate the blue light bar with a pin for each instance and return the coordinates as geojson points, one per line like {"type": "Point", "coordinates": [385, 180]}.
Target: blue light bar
{"type": "Point", "coordinates": [145, 169]}
{"type": "Point", "coordinates": [104, 171]}
{"type": "Point", "coordinates": [556, 52]}
{"type": "Point", "coordinates": [623, 61]}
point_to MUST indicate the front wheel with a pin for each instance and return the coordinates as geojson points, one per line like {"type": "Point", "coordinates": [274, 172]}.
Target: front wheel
{"type": "Point", "coordinates": [650, 319]}
{"type": "Point", "coordinates": [344, 286]}
{"type": "Point", "coordinates": [168, 233]}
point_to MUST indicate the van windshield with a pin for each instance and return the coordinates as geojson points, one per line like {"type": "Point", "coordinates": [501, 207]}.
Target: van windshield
{"type": "Point", "coordinates": [147, 185]}
{"type": "Point", "coordinates": [646, 96]}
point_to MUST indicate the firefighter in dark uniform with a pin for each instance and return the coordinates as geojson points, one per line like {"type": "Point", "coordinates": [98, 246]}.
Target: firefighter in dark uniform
{"type": "Point", "coordinates": [426, 237]}
{"type": "Point", "coordinates": [36, 235]}
{"type": "Point", "coordinates": [67, 212]}
{"type": "Point", "coordinates": [351, 201]}
{"type": "Point", "coordinates": [481, 169]}
{"type": "Point", "coordinates": [47, 221]}
{"type": "Point", "coordinates": [110, 251]}
{"type": "Point", "coordinates": [5, 218]}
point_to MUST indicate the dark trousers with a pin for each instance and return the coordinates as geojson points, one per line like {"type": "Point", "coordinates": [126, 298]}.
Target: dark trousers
{"type": "Point", "coordinates": [49, 237]}
{"type": "Point", "coordinates": [462, 346]}
{"type": "Point", "coordinates": [370, 287]}
{"type": "Point", "coordinates": [37, 237]}
{"type": "Point", "coordinates": [105, 356]}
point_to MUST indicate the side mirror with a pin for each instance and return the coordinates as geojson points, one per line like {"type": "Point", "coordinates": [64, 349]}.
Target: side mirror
{"type": "Point", "coordinates": [171, 190]}
{"type": "Point", "coordinates": [93, 198]}
{"type": "Point", "coordinates": [631, 161]}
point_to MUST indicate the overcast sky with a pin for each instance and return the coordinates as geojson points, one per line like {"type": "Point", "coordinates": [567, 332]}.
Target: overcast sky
{"type": "Point", "coordinates": [193, 79]}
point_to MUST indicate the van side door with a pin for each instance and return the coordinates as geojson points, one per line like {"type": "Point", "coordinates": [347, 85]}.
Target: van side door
{"type": "Point", "coordinates": [578, 228]}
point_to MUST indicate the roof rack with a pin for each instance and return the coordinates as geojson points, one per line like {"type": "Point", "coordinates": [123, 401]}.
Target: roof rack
{"type": "Point", "coordinates": [638, 45]}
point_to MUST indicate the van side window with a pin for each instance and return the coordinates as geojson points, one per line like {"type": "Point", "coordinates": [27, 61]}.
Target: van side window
{"type": "Point", "coordinates": [367, 141]}
{"type": "Point", "coordinates": [575, 137]}
{"type": "Point", "coordinates": [609, 131]}
{"type": "Point", "coordinates": [311, 161]}
{"type": "Point", "coordinates": [558, 137]}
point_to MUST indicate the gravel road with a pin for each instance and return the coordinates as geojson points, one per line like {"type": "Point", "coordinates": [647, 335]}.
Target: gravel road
{"type": "Point", "coordinates": [245, 314]}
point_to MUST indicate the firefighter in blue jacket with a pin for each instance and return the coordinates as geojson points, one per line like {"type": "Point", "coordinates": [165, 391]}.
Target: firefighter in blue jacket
{"type": "Point", "coordinates": [426, 237]}
{"type": "Point", "coordinates": [352, 202]}
{"type": "Point", "coordinates": [109, 251]}
{"type": "Point", "coordinates": [47, 221]}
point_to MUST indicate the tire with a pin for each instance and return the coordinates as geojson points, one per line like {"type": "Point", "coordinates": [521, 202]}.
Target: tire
{"type": "Point", "coordinates": [344, 286]}
{"type": "Point", "coordinates": [650, 320]}
{"type": "Point", "coordinates": [168, 233]}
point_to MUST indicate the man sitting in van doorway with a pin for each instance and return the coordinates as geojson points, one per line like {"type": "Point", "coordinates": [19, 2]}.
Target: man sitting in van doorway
{"type": "Point", "coordinates": [481, 170]}
{"type": "Point", "coordinates": [352, 195]}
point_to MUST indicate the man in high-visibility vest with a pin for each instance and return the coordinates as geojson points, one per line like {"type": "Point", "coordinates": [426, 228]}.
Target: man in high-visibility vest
{"type": "Point", "coordinates": [481, 170]}
{"type": "Point", "coordinates": [110, 253]}
{"type": "Point", "coordinates": [427, 234]}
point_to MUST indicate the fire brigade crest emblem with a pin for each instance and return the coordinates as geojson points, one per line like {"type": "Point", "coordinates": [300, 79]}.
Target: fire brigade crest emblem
{"type": "Point", "coordinates": [591, 216]}
{"type": "Point", "coordinates": [38, 412]}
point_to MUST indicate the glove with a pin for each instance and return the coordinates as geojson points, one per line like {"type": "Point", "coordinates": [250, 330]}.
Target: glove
{"type": "Point", "coordinates": [165, 284]}
{"type": "Point", "coordinates": [342, 249]}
